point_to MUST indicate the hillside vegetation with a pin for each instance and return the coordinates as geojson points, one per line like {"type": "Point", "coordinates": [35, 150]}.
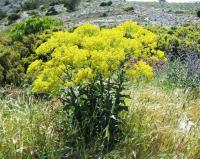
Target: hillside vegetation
{"type": "Point", "coordinates": [79, 89]}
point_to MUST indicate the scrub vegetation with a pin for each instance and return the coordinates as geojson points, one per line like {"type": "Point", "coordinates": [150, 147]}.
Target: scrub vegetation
{"type": "Point", "coordinates": [127, 91]}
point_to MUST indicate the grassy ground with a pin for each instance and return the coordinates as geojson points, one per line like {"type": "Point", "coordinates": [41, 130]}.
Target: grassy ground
{"type": "Point", "coordinates": [161, 123]}
{"type": "Point", "coordinates": [27, 126]}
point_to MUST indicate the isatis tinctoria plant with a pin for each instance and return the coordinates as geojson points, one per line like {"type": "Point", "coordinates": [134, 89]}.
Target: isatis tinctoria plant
{"type": "Point", "coordinates": [89, 69]}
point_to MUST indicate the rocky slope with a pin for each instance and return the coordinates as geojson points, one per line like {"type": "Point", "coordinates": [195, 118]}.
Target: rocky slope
{"type": "Point", "coordinates": [119, 11]}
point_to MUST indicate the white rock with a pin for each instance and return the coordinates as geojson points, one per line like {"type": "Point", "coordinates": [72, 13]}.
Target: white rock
{"type": "Point", "coordinates": [186, 124]}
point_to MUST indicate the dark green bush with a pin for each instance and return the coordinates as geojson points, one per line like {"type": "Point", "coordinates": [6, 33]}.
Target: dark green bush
{"type": "Point", "coordinates": [32, 26]}
{"type": "Point", "coordinates": [30, 5]}
{"type": "Point", "coordinates": [71, 5]}
{"type": "Point", "coordinates": [104, 15]}
{"type": "Point", "coordinates": [2, 14]}
{"type": "Point", "coordinates": [103, 4]}
{"type": "Point", "coordinates": [6, 3]}
{"type": "Point", "coordinates": [198, 13]}
{"type": "Point", "coordinates": [17, 10]}
{"type": "Point", "coordinates": [15, 60]}
{"type": "Point", "coordinates": [13, 17]}
{"type": "Point", "coordinates": [10, 66]}
{"type": "Point", "coordinates": [53, 3]}
{"type": "Point", "coordinates": [51, 11]}
{"type": "Point", "coordinates": [17, 52]}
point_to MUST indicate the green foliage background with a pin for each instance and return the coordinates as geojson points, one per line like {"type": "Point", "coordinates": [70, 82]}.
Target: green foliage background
{"type": "Point", "coordinates": [178, 40]}
{"type": "Point", "coordinates": [17, 47]}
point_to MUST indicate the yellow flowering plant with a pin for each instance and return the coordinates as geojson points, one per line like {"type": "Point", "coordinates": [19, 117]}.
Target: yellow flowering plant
{"type": "Point", "coordinates": [89, 69]}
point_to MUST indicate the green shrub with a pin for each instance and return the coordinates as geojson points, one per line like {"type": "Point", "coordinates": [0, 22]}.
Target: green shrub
{"type": "Point", "coordinates": [17, 10]}
{"type": "Point", "coordinates": [198, 13]}
{"type": "Point", "coordinates": [103, 4]}
{"type": "Point", "coordinates": [32, 26]}
{"type": "Point", "coordinates": [51, 11]}
{"type": "Point", "coordinates": [13, 17]}
{"type": "Point", "coordinates": [10, 65]}
{"type": "Point", "coordinates": [176, 41]}
{"type": "Point", "coordinates": [71, 5]}
{"type": "Point", "coordinates": [30, 5]}
{"type": "Point", "coordinates": [15, 60]}
{"type": "Point", "coordinates": [26, 37]}
{"type": "Point", "coordinates": [7, 2]}
{"type": "Point", "coordinates": [2, 14]}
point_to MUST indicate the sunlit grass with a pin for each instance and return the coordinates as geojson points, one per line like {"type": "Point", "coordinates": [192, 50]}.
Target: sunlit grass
{"type": "Point", "coordinates": [27, 126]}
{"type": "Point", "coordinates": [161, 123]}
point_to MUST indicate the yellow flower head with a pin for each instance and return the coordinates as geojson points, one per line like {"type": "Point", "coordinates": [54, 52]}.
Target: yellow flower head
{"type": "Point", "coordinates": [88, 53]}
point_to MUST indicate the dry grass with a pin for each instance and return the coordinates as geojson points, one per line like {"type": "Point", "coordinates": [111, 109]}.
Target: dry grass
{"type": "Point", "coordinates": [161, 124]}
{"type": "Point", "coordinates": [27, 126]}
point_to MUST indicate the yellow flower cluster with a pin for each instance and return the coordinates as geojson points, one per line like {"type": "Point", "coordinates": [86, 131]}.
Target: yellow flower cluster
{"type": "Point", "coordinates": [141, 69]}
{"type": "Point", "coordinates": [80, 57]}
